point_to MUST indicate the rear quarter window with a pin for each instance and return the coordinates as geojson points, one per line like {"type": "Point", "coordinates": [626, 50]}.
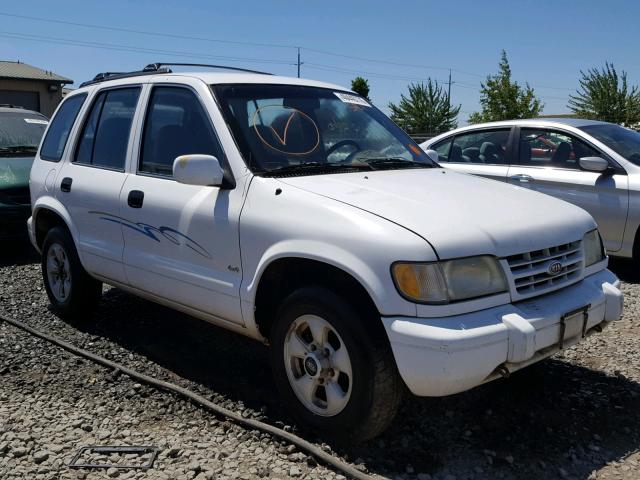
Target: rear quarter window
{"type": "Point", "coordinates": [58, 133]}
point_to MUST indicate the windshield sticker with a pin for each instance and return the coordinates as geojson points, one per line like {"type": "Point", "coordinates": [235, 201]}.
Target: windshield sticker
{"type": "Point", "coordinates": [286, 129]}
{"type": "Point", "coordinates": [36, 120]}
{"type": "Point", "coordinates": [351, 98]}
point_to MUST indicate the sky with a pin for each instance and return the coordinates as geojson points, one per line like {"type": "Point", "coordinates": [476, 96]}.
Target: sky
{"type": "Point", "coordinates": [391, 43]}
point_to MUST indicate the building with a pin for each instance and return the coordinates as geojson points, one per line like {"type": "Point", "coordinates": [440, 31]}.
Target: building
{"type": "Point", "coordinates": [30, 87]}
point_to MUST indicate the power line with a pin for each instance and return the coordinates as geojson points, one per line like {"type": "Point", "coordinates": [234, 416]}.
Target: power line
{"type": "Point", "coordinates": [128, 48]}
{"type": "Point", "coordinates": [244, 43]}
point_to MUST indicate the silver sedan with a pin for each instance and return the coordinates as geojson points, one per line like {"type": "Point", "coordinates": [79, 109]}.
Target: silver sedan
{"type": "Point", "coordinates": [595, 165]}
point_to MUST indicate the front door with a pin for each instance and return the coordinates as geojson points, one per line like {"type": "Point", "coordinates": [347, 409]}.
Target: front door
{"type": "Point", "coordinates": [548, 163]}
{"type": "Point", "coordinates": [182, 241]}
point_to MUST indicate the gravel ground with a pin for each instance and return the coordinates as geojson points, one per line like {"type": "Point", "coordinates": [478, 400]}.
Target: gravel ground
{"type": "Point", "coordinates": [576, 415]}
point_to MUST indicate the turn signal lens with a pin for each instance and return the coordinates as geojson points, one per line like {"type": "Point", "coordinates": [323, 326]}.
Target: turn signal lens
{"type": "Point", "coordinates": [422, 282]}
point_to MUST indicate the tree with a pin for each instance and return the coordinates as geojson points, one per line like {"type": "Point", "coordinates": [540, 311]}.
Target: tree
{"type": "Point", "coordinates": [502, 99]}
{"type": "Point", "coordinates": [606, 96]}
{"type": "Point", "coordinates": [427, 109]}
{"type": "Point", "coordinates": [360, 85]}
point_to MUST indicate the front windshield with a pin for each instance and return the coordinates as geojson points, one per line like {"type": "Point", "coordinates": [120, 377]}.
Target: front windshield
{"type": "Point", "coordinates": [297, 129]}
{"type": "Point", "coordinates": [623, 141]}
{"type": "Point", "coordinates": [20, 132]}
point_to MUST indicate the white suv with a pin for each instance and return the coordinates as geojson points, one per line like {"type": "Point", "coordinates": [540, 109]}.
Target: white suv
{"type": "Point", "coordinates": [296, 213]}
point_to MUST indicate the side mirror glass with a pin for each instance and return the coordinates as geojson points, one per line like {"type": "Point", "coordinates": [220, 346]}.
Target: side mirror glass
{"type": "Point", "coordinates": [594, 164]}
{"type": "Point", "coordinates": [204, 170]}
{"type": "Point", "coordinates": [433, 155]}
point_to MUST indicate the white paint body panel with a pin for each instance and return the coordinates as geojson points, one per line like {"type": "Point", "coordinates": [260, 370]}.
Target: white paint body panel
{"type": "Point", "coordinates": [203, 250]}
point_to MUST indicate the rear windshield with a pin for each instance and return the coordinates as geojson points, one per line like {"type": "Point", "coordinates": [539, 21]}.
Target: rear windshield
{"type": "Point", "coordinates": [623, 141]}
{"type": "Point", "coordinates": [20, 132]}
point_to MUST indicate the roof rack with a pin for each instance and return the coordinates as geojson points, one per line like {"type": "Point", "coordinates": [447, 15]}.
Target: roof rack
{"type": "Point", "coordinates": [161, 67]}
{"type": "Point", "coordinates": [11, 105]}
{"type": "Point", "coordinates": [156, 66]}
{"type": "Point", "coordinates": [104, 76]}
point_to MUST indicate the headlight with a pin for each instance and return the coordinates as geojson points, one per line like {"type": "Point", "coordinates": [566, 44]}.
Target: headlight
{"type": "Point", "coordinates": [449, 281]}
{"type": "Point", "coordinates": [593, 248]}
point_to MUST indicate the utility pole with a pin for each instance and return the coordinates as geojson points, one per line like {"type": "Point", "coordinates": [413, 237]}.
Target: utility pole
{"type": "Point", "coordinates": [299, 63]}
{"type": "Point", "coordinates": [449, 91]}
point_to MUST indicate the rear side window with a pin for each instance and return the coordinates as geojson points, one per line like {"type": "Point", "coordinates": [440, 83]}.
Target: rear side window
{"type": "Point", "coordinates": [483, 146]}
{"type": "Point", "coordinates": [58, 133]}
{"type": "Point", "coordinates": [105, 135]}
{"type": "Point", "coordinates": [176, 124]}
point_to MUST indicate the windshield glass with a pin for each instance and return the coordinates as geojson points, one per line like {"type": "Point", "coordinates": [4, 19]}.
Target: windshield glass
{"type": "Point", "coordinates": [623, 141]}
{"type": "Point", "coordinates": [20, 132]}
{"type": "Point", "coordinates": [304, 130]}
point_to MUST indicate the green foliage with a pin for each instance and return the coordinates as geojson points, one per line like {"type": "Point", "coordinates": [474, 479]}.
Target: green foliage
{"type": "Point", "coordinates": [502, 99]}
{"type": "Point", "coordinates": [426, 110]}
{"type": "Point", "coordinates": [606, 96]}
{"type": "Point", "coordinates": [360, 85]}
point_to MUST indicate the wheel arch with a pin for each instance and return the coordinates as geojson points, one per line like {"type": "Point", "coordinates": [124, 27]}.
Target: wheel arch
{"type": "Point", "coordinates": [284, 274]}
{"type": "Point", "coordinates": [48, 213]}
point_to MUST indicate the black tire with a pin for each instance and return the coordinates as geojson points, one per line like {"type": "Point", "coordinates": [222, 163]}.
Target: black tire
{"type": "Point", "coordinates": [376, 389]}
{"type": "Point", "coordinates": [83, 293]}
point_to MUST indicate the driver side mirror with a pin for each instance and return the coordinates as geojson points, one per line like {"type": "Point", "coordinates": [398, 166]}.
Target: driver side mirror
{"type": "Point", "coordinates": [203, 170]}
{"type": "Point", "coordinates": [433, 155]}
{"type": "Point", "coordinates": [594, 164]}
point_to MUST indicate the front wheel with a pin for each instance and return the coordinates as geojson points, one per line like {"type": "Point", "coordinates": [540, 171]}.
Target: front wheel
{"type": "Point", "coordinates": [71, 291]}
{"type": "Point", "coordinates": [333, 367]}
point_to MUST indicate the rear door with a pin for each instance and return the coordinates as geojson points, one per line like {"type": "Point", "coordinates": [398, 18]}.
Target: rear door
{"type": "Point", "coordinates": [548, 163]}
{"type": "Point", "coordinates": [484, 152]}
{"type": "Point", "coordinates": [90, 184]}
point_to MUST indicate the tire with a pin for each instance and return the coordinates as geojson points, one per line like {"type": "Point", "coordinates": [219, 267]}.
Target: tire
{"type": "Point", "coordinates": [73, 293]}
{"type": "Point", "coordinates": [352, 409]}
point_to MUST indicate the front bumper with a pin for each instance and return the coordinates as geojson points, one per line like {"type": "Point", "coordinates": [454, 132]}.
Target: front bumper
{"type": "Point", "coordinates": [442, 356]}
{"type": "Point", "coordinates": [13, 220]}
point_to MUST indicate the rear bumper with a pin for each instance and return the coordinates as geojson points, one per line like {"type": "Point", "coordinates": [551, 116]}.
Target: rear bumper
{"type": "Point", "coordinates": [442, 356]}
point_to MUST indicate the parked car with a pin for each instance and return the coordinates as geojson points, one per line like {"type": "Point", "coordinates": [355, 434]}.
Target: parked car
{"type": "Point", "coordinates": [20, 134]}
{"type": "Point", "coordinates": [595, 165]}
{"type": "Point", "coordinates": [362, 263]}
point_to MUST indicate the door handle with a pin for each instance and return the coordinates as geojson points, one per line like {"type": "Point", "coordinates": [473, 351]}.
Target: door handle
{"type": "Point", "coordinates": [135, 199]}
{"type": "Point", "coordinates": [65, 185]}
{"type": "Point", "coordinates": [522, 178]}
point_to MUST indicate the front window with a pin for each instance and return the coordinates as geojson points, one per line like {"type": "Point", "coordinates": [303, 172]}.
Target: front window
{"type": "Point", "coordinates": [286, 129]}
{"type": "Point", "coordinates": [551, 148]}
{"type": "Point", "coordinates": [623, 141]}
{"type": "Point", "coordinates": [20, 133]}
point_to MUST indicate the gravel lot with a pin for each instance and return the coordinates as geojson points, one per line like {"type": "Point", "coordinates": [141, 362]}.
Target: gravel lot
{"type": "Point", "coordinates": [576, 415]}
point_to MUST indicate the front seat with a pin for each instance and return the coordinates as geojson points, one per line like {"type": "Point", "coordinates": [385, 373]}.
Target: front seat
{"type": "Point", "coordinates": [561, 155]}
{"type": "Point", "coordinates": [525, 153]}
{"type": "Point", "coordinates": [456, 154]}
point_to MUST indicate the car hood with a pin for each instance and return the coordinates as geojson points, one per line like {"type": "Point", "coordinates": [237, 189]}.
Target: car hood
{"type": "Point", "coordinates": [459, 215]}
{"type": "Point", "coordinates": [14, 171]}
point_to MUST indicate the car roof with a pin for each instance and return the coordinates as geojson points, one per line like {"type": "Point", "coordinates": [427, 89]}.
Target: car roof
{"type": "Point", "coordinates": [220, 78]}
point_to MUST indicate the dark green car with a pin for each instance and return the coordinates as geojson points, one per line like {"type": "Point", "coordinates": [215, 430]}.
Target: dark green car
{"type": "Point", "coordinates": [20, 134]}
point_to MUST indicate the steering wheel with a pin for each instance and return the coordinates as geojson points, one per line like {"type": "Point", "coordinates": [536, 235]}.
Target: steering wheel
{"type": "Point", "coordinates": [343, 143]}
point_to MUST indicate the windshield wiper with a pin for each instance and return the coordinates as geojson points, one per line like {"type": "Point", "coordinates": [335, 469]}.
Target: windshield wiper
{"type": "Point", "coordinates": [19, 148]}
{"type": "Point", "coordinates": [380, 163]}
{"type": "Point", "coordinates": [315, 167]}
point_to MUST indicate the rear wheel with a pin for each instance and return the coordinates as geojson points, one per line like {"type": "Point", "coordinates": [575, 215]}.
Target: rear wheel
{"type": "Point", "coordinates": [71, 291]}
{"type": "Point", "coordinates": [330, 366]}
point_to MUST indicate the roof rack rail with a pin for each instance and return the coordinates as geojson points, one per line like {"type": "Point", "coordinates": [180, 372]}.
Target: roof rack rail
{"type": "Point", "coordinates": [104, 76]}
{"type": "Point", "coordinates": [152, 67]}
{"type": "Point", "coordinates": [11, 105]}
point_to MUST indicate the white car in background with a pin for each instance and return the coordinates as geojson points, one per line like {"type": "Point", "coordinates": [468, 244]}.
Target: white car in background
{"type": "Point", "coordinates": [270, 206]}
{"type": "Point", "coordinates": [595, 165]}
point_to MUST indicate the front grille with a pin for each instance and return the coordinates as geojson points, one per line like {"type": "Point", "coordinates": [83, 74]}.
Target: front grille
{"type": "Point", "coordinates": [529, 271]}
{"type": "Point", "coordinates": [15, 196]}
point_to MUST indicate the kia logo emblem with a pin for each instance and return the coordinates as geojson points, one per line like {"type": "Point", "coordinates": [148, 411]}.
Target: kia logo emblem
{"type": "Point", "coordinates": [554, 268]}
